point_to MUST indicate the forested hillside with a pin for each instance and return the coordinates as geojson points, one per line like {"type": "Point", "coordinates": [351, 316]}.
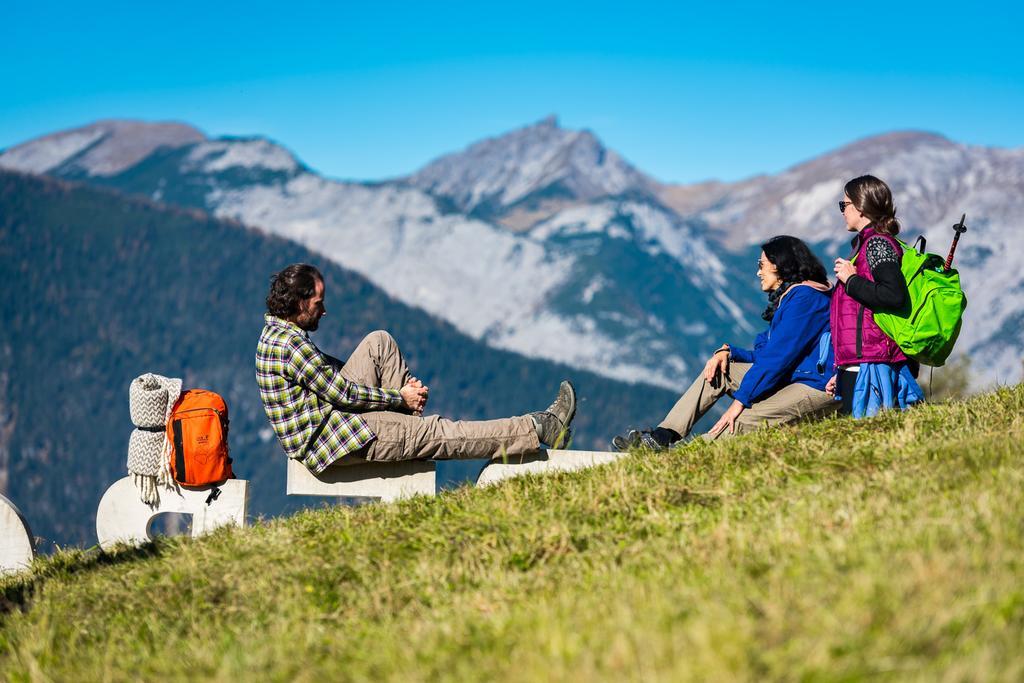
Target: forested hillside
{"type": "Point", "coordinates": [100, 287]}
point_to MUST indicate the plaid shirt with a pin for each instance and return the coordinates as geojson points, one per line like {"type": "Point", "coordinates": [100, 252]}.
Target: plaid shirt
{"type": "Point", "coordinates": [310, 405]}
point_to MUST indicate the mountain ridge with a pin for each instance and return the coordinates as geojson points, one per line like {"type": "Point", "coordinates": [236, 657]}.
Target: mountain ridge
{"type": "Point", "coordinates": [514, 253]}
{"type": "Point", "coordinates": [492, 282]}
{"type": "Point", "coordinates": [104, 147]}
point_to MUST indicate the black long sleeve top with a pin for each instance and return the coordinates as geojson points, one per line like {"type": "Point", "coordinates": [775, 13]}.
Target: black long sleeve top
{"type": "Point", "coordinates": [888, 292]}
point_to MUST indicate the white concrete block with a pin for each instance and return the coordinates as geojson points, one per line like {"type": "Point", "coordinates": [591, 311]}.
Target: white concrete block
{"type": "Point", "coordinates": [386, 481]}
{"type": "Point", "coordinates": [545, 461]}
{"type": "Point", "coordinates": [397, 480]}
{"type": "Point", "coordinates": [122, 517]}
{"type": "Point", "coordinates": [17, 547]}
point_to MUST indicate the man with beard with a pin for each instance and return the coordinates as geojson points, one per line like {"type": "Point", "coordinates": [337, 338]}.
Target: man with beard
{"type": "Point", "coordinates": [370, 408]}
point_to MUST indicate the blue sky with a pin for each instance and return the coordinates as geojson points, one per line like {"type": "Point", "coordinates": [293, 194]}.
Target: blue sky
{"type": "Point", "coordinates": [370, 91]}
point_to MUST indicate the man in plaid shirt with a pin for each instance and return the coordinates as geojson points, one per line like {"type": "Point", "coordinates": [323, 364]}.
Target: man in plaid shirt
{"type": "Point", "coordinates": [369, 407]}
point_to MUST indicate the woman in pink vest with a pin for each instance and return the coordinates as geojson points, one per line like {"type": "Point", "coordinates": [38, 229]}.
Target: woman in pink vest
{"type": "Point", "coordinates": [870, 280]}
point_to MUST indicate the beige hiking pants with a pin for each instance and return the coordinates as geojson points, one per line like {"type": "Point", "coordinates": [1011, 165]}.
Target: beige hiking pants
{"type": "Point", "coordinates": [791, 402]}
{"type": "Point", "coordinates": [377, 361]}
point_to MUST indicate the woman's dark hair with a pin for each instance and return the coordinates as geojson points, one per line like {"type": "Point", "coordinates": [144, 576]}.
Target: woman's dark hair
{"type": "Point", "coordinates": [795, 262]}
{"type": "Point", "coordinates": [873, 198]}
{"type": "Point", "coordinates": [294, 284]}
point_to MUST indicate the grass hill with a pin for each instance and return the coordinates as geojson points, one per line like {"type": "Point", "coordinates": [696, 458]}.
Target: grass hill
{"type": "Point", "coordinates": [838, 550]}
{"type": "Point", "coordinates": [100, 288]}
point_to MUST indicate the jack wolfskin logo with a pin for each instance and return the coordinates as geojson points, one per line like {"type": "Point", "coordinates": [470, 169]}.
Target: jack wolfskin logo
{"type": "Point", "coordinates": [203, 439]}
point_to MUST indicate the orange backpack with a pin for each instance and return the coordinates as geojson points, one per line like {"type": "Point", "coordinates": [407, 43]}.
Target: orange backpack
{"type": "Point", "coordinates": [198, 428]}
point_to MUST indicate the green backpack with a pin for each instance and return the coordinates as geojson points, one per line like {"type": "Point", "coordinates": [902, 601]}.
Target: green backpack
{"type": "Point", "coordinates": [927, 327]}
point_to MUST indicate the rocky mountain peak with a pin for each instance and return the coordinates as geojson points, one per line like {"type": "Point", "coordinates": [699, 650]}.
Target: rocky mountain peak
{"type": "Point", "coordinates": [103, 148]}
{"type": "Point", "coordinates": [550, 121]}
{"type": "Point", "coordinates": [899, 139]}
{"type": "Point", "coordinates": [539, 161]}
{"type": "Point", "coordinates": [873, 151]}
{"type": "Point", "coordinates": [926, 171]}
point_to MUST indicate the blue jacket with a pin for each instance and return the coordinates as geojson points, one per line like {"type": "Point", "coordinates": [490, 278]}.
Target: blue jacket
{"type": "Point", "coordinates": [883, 386]}
{"type": "Point", "coordinates": [791, 350]}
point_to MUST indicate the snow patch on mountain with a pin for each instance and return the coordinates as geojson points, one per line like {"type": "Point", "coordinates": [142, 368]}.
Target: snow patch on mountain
{"type": "Point", "coordinates": [40, 157]}
{"type": "Point", "coordinates": [660, 232]}
{"type": "Point", "coordinates": [219, 155]}
{"type": "Point", "coordinates": [582, 346]}
{"type": "Point", "coordinates": [665, 232]}
{"type": "Point", "coordinates": [595, 286]}
{"type": "Point", "coordinates": [582, 220]}
{"type": "Point", "coordinates": [803, 207]}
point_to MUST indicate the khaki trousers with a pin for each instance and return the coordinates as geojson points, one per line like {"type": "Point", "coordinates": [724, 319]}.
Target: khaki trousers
{"type": "Point", "coordinates": [377, 361]}
{"type": "Point", "coordinates": [790, 403]}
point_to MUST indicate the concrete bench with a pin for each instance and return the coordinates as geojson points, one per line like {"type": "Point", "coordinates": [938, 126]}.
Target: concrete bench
{"type": "Point", "coordinates": [17, 547]}
{"type": "Point", "coordinates": [122, 518]}
{"type": "Point", "coordinates": [544, 462]}
{"type": "Point", "coordinates": [394, 481]}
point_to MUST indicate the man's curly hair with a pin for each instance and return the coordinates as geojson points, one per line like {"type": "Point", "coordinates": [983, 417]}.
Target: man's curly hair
{"type": "Point", "coordinates": [294, 284]}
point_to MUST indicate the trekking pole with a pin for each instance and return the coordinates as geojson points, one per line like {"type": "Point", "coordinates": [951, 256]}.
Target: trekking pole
{"type": "Point", "coordinates": [960, 229]}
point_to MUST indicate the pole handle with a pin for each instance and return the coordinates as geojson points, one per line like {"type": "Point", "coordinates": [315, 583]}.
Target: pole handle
{"type": "Point", "coordinates": [958, 230]}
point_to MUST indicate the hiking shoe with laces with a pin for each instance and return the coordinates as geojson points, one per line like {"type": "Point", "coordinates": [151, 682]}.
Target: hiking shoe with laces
{"type": "Point", "coordinates": [636, 438]}
{"type": "Point", "coordinates": [553, 424]}
{"type": "Point", "coordinates": [623, 442]}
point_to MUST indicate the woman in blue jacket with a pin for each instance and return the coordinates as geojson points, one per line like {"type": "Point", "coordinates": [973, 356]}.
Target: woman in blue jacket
{"type": "Point", "coordinates": [783, 377]}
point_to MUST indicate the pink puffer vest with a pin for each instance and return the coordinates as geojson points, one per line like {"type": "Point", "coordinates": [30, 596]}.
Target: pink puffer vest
{"type": "Point", "coordinates": [856, 337]}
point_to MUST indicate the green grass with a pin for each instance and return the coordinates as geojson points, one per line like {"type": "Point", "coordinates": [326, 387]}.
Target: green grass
{"type": "Point", "coordinates": [889, 548]}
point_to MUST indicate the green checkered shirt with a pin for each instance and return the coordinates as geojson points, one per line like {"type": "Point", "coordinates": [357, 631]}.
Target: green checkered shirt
{"type": "Point", "coordinates": [311, 407]}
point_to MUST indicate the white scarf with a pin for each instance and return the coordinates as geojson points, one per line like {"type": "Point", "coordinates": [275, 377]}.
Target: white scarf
{"type": "Point", "coordinates": [151, 401]}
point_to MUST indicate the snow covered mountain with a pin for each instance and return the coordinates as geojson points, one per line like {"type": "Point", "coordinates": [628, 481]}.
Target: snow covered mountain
{"type": "Point", "coordinates": [527, 166]}
{"type": "Point", "coordinates": [104, 148]}
{"type": "Point", "coordinates": [612, 283]}
{"type": "Point", "coordinates": [544, 242]}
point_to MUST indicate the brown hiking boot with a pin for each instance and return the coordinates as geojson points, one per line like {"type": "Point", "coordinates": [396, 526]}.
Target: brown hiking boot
{"type": "Point", "coordinates": [553, 424]}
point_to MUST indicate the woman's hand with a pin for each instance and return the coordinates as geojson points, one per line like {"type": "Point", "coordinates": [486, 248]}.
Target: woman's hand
{"type": "Point", "coordinates": [830, 386]}
{"type": "Point", "coordinates": [844, 269]}
{"type": "Point", "coordinates": [718, 363]}
{"type": "Point", "coordinates": [727, 421]}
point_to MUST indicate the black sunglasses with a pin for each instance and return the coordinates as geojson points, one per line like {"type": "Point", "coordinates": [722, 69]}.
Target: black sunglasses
{"type": "Point", "coordinates": [843, 205]}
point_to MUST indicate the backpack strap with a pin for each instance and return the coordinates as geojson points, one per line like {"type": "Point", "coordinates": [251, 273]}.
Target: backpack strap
{"type": "Point", "coordinates": [920, 244]}
{"type": "Point", "coordinates": [824, 343]}
{"type": "Point", "coordinates": [179, 450]}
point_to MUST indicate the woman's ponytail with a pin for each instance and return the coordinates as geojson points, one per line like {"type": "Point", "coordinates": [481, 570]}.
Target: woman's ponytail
{"type": "Point", "coordinates": [888, 225]}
